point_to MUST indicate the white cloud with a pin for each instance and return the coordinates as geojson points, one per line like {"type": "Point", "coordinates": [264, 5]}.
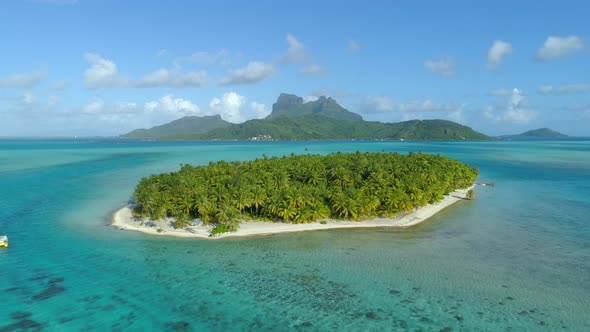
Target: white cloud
{"type": "Point", "coordinates": [229, 106]}
{"type": "Point", "coordinates": [564, 89]}
{"type": "Point", "coordinates": [260, 110]}
{"type": "Point", "coordinates": [314, 69]}
{"type": "Point", "coordinates": [489, 113]}
{"type": "Point", "coordinates": [307, 99]}
{"type": "Point", "coordinates": [296, 52]}
{"type": "Point", "coordinates": [517, 110]}
{"type": "Point", "coordinates": [353, 45]}
{"type": "Point", "coordinates": [252, 73]}
{"type": "Point", "coordinates": [497, 52]}
{"type": "Point", "coordinates": [94, 107]}
{"type": "Point", "coordinates": [456, 115]}
{"type": "Point", "coordinates": [172, 77]}
{"type": "Point", "coordinates": [175, 107]}
{"type": "Point", "coordinates": [130, 115]}
{"type": "Point", "coordinates": [22, 80]}
{"type": "Point", "coordinates": [443, 67]}
{"type": "Point", "coordinates": [103, 73]}
{"type": "Point", "coordinates": [557, 47]}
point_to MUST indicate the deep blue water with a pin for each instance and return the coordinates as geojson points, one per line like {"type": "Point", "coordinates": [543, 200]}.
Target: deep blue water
{"type": "Point", "coordinates": [515, 259]}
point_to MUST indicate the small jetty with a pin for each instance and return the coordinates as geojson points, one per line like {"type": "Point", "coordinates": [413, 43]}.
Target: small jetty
{"type": "Point", "coordinates": [3, 241]}
{"type": "Point", "coordinates": [485, 184]}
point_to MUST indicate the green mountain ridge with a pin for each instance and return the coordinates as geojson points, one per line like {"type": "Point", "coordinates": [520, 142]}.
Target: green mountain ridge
{"type": "Point", "coordinates": [188, 125]}
{"type": "Point", "coordinates": [322, 119]}
{"type": "Point", "coordinates": [293, 106]}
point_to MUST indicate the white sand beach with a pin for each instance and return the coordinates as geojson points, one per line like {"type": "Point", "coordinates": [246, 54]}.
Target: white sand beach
{"type": "Point", "coordinates": [124, 220]}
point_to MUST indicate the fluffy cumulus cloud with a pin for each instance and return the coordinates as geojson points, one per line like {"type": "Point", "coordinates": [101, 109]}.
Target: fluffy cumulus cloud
{"type": "Point", "coordinates": [103, 73]}
{"type": "Point", "coordinates": [260, 110]}
{"type": "Point", "coordinates": [235, 108]}
{"type": "Point", "coordinates": [296, 52]}
{"type": "Point", "coordinates": [100, 116]}
{"type": "Point", "coordinates": [443, 67]}
{"type": "Point", "coordinates": [229, 106]}
{"type": "Point", "coordinates": [557, 47]}
{"type": "Point", "coordinates": [254, 72]}
{"type": "Point", "coordinates": [564, 89]}
{"type": "Point", "coordinates": [172, 106]}
{"type": "Point", "coordinates": [517, 110]}
{"type": "Point", "coordinates": [353, 45]}
{"type": "Point", "coordinates": [22, 80]}
{"type": "Point", "coordinates": [497, 52]}
{"type": "Point", "coordinates": [314, 69]}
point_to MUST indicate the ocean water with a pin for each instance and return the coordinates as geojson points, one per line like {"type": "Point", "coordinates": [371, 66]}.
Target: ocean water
{"type": "Point", "coordinates": [515, 259]}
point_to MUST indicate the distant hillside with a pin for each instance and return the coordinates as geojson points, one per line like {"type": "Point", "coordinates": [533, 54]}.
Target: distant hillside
{"type": "Point", "coordinates": [542, 133]}
{"type": "Point", "coordinates": [292, 119]}
{"type": "Point", "coordinates": [317, 127]}
{"type": "Point", "coordinates": [536, 134]}
{"type": "Point", "coordinates": [188, 125]}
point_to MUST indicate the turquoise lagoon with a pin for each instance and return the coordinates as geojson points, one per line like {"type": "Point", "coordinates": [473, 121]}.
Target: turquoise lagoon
{"type": "Point", "coordinates": [515, 259]}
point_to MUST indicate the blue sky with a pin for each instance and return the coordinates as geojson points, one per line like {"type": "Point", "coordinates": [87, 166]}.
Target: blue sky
{"type": "Point", "coordinates": [106, 67]}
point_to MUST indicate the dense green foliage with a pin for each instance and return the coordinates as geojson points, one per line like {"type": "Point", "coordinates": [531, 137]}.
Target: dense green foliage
{"type": "Point", "coordinates": [323, 119]}
{"type": "Point", "coordinates": [300, 189]}
{"type": "Point", "coordinates": [188, 125]}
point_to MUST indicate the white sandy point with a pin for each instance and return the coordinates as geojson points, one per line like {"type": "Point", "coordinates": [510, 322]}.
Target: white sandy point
{"type": "Point", "coordinates": [123, 219]}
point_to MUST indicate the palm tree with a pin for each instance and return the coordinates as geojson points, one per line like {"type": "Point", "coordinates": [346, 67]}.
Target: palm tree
{"type": "Point", "coordinates": [301, 188]}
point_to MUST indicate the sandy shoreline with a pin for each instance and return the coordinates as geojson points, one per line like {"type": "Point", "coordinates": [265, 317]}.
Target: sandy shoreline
{"type": "Point", "coordinates": [124, 220]}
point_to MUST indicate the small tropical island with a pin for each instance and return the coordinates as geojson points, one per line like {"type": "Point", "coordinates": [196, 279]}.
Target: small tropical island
{"type": "Point", "coordinates": [297, 193]}
{"type": "Point", "coordinates": [541, 133]}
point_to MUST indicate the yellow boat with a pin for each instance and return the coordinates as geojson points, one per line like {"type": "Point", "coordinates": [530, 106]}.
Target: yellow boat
{"type": "Point", "coordinates": [4, 241]}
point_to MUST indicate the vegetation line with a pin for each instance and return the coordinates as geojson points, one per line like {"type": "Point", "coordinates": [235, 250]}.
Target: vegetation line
{"type": "Point", "coordinates": [300, 189]}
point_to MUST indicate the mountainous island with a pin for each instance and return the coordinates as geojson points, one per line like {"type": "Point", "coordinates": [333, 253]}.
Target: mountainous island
{"type": "Point", "coordinates": [294, 119]}
{"type": "Point", "coordinates": [537, 134]}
